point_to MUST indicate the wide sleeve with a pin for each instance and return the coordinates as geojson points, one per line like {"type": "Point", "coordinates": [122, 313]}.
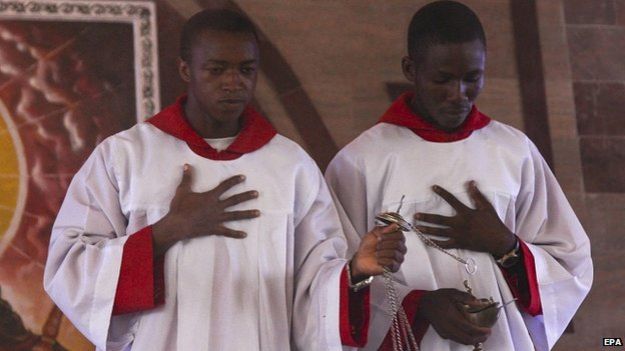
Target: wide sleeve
{"type": "Point", "coordinates": [559, 246]}
{"type": "Point", "coordinates": [348, 187]}
{"type": "Point", "coordinates": [521, 279]}
{"type": "Point", "coordinates": [319, 261]}
{"type": "Point", "coordinates": [86, 248]}
{"type": "Point", "coordinates": [346, 179]}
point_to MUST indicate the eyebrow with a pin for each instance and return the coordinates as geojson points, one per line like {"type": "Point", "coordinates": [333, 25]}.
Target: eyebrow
{"type": "Point", "coordinates": [446, 73]}
{"type": "Point", "coordinates": [222, 62]}
{"type": "Point", "coordinates": [476, 71]}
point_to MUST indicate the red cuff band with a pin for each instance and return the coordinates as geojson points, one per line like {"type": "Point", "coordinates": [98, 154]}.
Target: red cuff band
{"type": "Point", "coordinates": [523, 282]}
{"type": "Point", "coordinates": [532, 304]}
{"type": "Point", "coordinates": [141, 280]}
{"type": "Point", "coordinates": [354, 314]}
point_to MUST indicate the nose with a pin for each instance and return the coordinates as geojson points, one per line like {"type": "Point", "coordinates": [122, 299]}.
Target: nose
{"type": "Point", "coordinates": [231, 80]}
{"type": "Point", "coordinates": [457, 92]}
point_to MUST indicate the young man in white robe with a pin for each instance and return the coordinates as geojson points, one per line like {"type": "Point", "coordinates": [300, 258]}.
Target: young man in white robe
{"type": "Point", "coordinates": [162, 243]}
{"type": "Point", "coordinates": [478, 188]}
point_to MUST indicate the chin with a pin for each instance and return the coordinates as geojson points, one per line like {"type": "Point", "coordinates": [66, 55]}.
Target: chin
{"type": "Point", "coordinates": [452, 122]}
{"type": "Point", "coordinates": [229, 115]}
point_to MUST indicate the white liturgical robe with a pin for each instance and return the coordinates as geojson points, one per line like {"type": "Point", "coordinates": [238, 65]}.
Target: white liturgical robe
{"type": "Point", "coordinates": [276, 289]}
{"type": "Point", "coordinates": [388, 161]}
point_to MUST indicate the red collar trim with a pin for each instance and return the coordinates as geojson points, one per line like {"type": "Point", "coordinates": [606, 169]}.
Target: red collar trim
{"type": "Point", "coordinates": [402, 115]}
{"type": "Point", "coordinates": [256, 132]}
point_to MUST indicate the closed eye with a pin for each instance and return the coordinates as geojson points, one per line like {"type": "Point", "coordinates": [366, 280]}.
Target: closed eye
{"type": "Point", "coordinates": [248, 70]}
{"type": "Point", "coordinates": [215, 70]}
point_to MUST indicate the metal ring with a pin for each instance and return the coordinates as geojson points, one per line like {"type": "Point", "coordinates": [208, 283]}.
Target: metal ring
{"type": "Point", "coordinates": [470, 266]}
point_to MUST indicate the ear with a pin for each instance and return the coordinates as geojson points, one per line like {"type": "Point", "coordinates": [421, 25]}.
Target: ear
{"type": "Point", "coordinates": [184, 70]}
{"type": "Point", "coordinates": [409, 68]}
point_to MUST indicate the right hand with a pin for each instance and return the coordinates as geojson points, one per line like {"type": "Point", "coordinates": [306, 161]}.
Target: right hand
{"type": "Point", "coordinates": [381, 247]}
{"type": "Point", "coordinates": [442, 308]}
{"type": "Point", "coordinates": [197, 214]}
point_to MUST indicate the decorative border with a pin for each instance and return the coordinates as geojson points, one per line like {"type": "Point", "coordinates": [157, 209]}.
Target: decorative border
{"type": "Point", "coordinates": [142, 16]}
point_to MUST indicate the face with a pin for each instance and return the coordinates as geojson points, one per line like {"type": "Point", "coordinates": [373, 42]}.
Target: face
{"type": "Point", "coordinates": [447, 80]}
{"type": "Point", "coordinates": [221, 74]}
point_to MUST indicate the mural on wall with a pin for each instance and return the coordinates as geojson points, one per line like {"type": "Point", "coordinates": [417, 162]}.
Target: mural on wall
{"type": "Point", "coordinates": [71, 74]}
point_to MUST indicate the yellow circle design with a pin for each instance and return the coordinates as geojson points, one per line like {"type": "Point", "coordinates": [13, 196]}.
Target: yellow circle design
{"type": "Point", "coordinates": [11, 184]}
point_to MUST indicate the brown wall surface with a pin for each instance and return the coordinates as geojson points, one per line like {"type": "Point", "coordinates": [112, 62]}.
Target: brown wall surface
{"type": "Point", "coordinates": [327, 72]}
{"type": "Point", "coordinates": [595, 35]}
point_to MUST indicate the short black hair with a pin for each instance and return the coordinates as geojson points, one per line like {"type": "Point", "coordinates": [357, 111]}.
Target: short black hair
{"type": "Point", "coordinates": [213, 19]}
{"type": "Point", "coordinates": [443, 22]}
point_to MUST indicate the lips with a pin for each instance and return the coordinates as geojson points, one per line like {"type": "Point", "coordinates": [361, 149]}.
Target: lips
{"type": "Point", "coordinates": [231, 101]}
{"type": "Point", "coordinates": [458, 110]}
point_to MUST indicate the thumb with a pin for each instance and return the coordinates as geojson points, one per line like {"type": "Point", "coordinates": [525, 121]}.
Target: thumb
{"type": "Point", "coordinates": [386, 229]}
{"type": "Point", "coordinates": [185, 182]}
{"type": "Point", "coordinates": [464, 297]}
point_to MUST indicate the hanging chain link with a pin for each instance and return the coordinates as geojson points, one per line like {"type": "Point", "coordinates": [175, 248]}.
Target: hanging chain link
{"type": "Point", "coordinates": [401, 330]}
{"type": "Point", "coordinates": [400, 326]}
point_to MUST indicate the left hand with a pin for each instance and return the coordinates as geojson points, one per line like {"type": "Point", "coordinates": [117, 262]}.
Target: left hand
{"type": "Point", "coordinates": [379, 248]}
{"type": "Point", "coordinates": [478, 229]}
{"type": "Point", "coordinates": [442, 308]}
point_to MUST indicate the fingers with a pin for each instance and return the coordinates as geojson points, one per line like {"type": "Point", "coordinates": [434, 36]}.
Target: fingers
{"type": "Point", "coordinates": [476, 304]}
{"type": "Point", "coordinates": [392, 245]}
{"type": "Point", "coordinates": [451, 200]}
{"type": "Point", "coordinates": [185, 182]}
{"type": "Point", "coordinates": [463, 329]}
{"type": "Point", "coordinates": [238, 215]}
{"type": "Point", "coordinates": [479, 200]}
{"type": "Point", "coordinates": [462, 297]}
{"type": "Point", "coordinates": [443, 307]}
{"type": "Point", "coordinates": [238, 198]}
{"type": "Point", "coordinates": [393, 262]}
{"type": "Point", "coordinates": [230, 233]}
{"type": "Point", "coordinates": [391, 230]}
{"type": "Point", "coordinates": [391, 248]}
{"type": "Point", "coordinates": [227, 184]}
{"type": "Point", "coordinates": [450, 243]}
{"type": "Point", "coordinates": [467, 332]}
{"type": "Point", "coordinates": [434, 219]}
{"type": "Point", "coordinates": [391, 239]}
{"type": "Point", "coordinates": [447, 232]}
{"type": "Point", "coordinates": [391, 254]}
{"type": "Point", "coordinates": [453, 295]}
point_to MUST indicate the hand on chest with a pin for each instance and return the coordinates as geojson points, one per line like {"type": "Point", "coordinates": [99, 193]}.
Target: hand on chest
{"type": "Point", "coordinates": [464, 217]}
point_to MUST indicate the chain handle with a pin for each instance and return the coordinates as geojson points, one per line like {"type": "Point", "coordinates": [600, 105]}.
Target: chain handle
{"type": "Point", "coordinates": [469, 263]}
{"type": "Point", "coordinates": [400, 326]}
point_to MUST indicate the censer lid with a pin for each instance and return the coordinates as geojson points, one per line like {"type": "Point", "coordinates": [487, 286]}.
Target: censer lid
{"type": "Point", "coordinates": [394, 218]}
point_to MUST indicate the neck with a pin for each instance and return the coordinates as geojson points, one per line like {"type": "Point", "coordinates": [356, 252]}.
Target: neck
{"type": "Point", "coordinates": [207, 126]}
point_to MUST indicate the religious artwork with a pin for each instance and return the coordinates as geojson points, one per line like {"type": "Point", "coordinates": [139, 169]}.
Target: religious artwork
{"type": "Point", "coordinates": [71, 74]}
